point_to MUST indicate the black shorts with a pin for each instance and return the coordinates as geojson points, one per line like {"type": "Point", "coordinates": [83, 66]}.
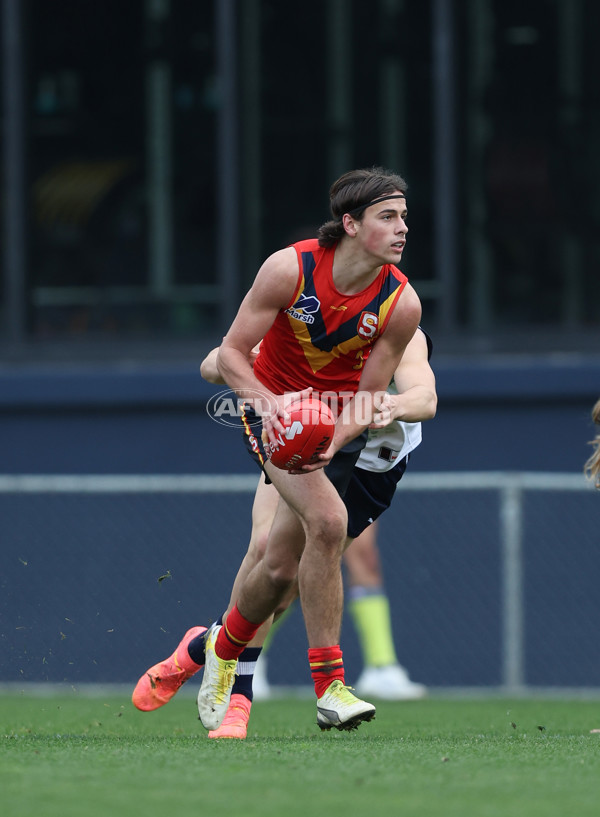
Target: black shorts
{"type": "Point", "coordinates": [339, 470]}
{"type": "Point", "coordinates": [369, 494]}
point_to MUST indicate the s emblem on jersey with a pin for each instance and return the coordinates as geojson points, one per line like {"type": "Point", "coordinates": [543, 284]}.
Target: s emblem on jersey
{"type": "Point", "coordinates": [368, 325]}
{"type": "Point", "coordinates": [309, 304]}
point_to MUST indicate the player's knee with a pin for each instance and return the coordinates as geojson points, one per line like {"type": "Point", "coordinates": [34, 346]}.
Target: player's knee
{"type": "Point", "coordinates": [258, 544]}
{"type": "Point", "coordinates": [328, 529]}
{"type": "Point", "coordinates": [281, 575]}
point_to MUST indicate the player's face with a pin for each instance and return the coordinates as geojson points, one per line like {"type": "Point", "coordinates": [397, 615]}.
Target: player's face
{"type": "Point", "coordinates": [383, 230]}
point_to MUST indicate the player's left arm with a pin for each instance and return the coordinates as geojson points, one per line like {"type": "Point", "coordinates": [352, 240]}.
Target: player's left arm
{"type": "Point", "coordinates": [416, 400]}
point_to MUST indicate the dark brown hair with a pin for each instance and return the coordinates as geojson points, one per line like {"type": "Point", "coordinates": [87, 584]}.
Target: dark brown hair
{"type": "Point", "coordinates": [352, 192]}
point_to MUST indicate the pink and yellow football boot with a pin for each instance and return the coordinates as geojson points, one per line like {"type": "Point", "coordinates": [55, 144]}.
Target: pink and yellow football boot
{"type": "Point", "coordinates": [161, 682]}
{"type": "Point", "coordinates": [235, 722]}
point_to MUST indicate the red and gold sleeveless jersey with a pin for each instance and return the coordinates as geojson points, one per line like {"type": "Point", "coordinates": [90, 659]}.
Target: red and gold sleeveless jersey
{"type": "Point", "coordinates": [323, 338]}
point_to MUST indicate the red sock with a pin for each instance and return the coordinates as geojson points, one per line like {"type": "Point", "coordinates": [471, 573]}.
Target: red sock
{"type": "Point", "coordinates": [233, 636]}
{"type": "Point", "coordinates": [326, 665]}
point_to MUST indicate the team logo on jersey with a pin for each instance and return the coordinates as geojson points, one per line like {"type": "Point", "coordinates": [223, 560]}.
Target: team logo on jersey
{"type": "Point", "coordinates": [368, 325]}
{"type": "Point", "coordinates": [304, 308]}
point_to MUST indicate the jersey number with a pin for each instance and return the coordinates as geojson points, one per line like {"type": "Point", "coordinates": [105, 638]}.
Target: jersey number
{"type": "Point", "coordinates": [360, 359]}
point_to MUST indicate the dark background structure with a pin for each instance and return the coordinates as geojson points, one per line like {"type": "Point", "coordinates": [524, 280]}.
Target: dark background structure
{"type": "Point", "coordinates": [155, 152]}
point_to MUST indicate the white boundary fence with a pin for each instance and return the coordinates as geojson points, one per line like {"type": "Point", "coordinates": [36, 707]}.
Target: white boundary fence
{"type": "Point", "coordinates": [510, 486]}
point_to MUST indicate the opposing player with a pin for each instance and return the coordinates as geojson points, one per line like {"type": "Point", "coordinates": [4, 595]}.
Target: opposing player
{"type": "Point", "coordinates": [334, 315]}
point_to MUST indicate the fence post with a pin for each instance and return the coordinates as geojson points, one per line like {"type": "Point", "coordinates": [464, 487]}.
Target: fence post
{"type": "Point", "coordinates": [511, 542]}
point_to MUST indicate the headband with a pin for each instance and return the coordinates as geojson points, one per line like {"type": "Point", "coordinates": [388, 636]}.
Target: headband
{"type": "Point", "coordinates": [362, 207]}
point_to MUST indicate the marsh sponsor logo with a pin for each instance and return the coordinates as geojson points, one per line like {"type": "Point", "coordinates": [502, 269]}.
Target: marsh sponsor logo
{"type": "Point", "coordinates": [304, 308]}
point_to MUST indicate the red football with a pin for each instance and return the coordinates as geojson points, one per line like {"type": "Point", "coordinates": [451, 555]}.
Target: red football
{"type": "Point", "coordinates": [308, 434]}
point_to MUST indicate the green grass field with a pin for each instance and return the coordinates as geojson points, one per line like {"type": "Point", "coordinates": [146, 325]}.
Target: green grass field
{"type": "Point", "coordinates": [99, 757]}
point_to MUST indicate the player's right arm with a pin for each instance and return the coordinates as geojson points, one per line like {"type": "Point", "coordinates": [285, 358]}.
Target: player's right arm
{"type": "Point", "coordinates": [210, 371]}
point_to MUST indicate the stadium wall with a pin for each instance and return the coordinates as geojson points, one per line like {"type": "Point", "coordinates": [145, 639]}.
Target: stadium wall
{"type": "Point", "coordinates": [82, 580]}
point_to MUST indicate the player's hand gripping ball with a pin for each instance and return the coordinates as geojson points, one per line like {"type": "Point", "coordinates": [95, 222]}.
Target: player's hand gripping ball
{"type": "Point", "coordinates": [308, 433]}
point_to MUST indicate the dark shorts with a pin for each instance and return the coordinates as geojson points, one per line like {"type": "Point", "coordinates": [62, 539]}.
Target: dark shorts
{"type": "Point", "coordinates": [339, 470]}
{"type": "Point", "coordinates": [369, 494]}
